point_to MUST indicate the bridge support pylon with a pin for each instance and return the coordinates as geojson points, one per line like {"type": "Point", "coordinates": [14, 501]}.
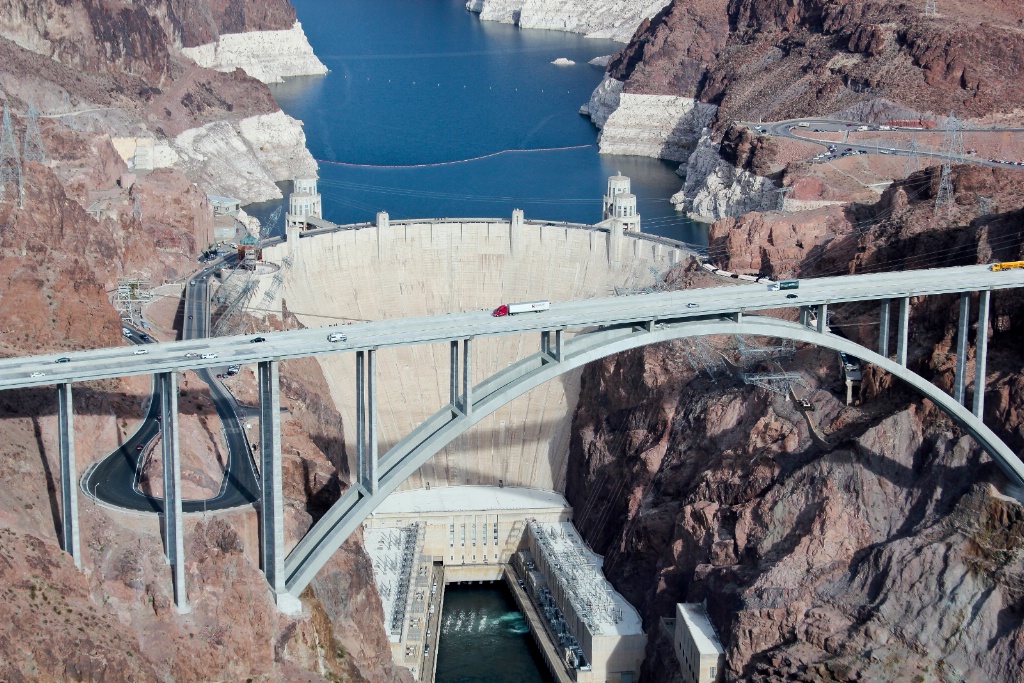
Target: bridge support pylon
{"type": "Point", "coordinates": [963, 326]}
{"type": "Point", "coordinates": [272, 504]}
{"type": "Point", "coordinates": [902, 331]}
{"type": "Point", "coordinates": [366, 421]}
{"type": "Point", "coordinates": [68, 475]}
{"type": "Point", "coordinates": [981, 354]}
{"type": "Point", "coordinates": [883, 329]}
{"type": "Point", "coordinates": [467, 376]}
{"type": "Point", "coordinates": [174, 535]}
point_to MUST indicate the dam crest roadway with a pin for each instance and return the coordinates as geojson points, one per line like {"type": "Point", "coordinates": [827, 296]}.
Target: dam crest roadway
{"type": "Point", "coordinates": [568, 335]}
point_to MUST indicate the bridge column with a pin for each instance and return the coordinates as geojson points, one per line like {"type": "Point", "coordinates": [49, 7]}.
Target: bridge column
{"type": "Point", "coordinates": [558, 346]}
{"type": "Point", "coordinates": [545, 342]}
{"type": "Point", "coordinates": [902, 331]}
{"type": "Point", "coordinates": [68, 475]}
{"type": "Point", "coordinates": [962, 328]}
{"type": "Point", "coordinates": [369, 473]}
{"type": "Point", "coordinates": [174, 534]}
{"type": "Point", "coordinates": [467, 377]}
{"type": "Point", "coordinates": [981, 353]}
{"type": "Point", "coordinates": [805, 315]}
{"type": "Point", "coordinates": [272, 505]}
{"type": "Point", "coordinates": [454, 375]}
{"type": "Point", "coordinates": [883, 329]}
{"type": "Point", "coordinates": [822, 317]}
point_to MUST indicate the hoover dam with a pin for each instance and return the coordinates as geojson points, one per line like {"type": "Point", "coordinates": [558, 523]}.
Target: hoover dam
{"type": "Point", "coordinates": [411, 268]}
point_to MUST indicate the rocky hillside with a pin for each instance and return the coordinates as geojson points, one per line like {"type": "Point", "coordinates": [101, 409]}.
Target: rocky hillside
{"type": "Point", "coordinates": [884, 552]}
{"type": "Point", "coordinates": [780, 59]}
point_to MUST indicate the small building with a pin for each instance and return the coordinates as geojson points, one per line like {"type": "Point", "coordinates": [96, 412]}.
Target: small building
{"type": "Point", "coordinates": [303, 203]}
{"type": "Point", "coordinates": [698, 649]}
{"type": "Point", "coordinates": [224, 206]}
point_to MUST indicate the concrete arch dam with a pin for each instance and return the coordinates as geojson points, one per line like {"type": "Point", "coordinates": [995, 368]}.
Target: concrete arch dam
{"type": "Point", "coordinates": [416, 268]}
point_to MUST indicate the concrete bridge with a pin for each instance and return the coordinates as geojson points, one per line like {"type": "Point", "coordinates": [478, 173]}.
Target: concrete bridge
{"type": "Point", "coordinates": [570, 335]}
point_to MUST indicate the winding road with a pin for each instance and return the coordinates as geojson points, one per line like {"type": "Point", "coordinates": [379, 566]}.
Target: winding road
{"type": "Point", "coordinates": [114, 480]}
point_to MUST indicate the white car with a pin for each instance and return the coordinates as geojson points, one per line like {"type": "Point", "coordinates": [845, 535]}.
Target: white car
{"type": "Point", "coordinates": [207, 356]}
{"type": "Point", "coordinates": [38, 374]}
{"type": "Point", "coordinates": [139, 352]}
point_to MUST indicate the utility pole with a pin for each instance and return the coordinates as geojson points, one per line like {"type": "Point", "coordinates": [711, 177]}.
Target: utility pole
{"type": "Point", "coordinates": [952, 147]}
{"type": "Point", "coordinates": [10, 160]}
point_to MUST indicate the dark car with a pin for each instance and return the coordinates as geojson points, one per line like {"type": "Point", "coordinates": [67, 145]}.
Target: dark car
{"type": "Point", "coordinates": [190, 317]}
{"type": "Point", "coordinates": [64, 359]}
{"type": "Point", "coordinates": [139, 447]}
{"type": "Point", "coordinates": [257, 340]}
{"type": "Point", "coordinates": [791, 296]}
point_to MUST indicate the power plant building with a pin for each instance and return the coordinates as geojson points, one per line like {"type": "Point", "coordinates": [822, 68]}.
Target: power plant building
{"type": "Point", "coordinates": [600, 633]}
{"type": "Point", "coordinates": [700, 653]}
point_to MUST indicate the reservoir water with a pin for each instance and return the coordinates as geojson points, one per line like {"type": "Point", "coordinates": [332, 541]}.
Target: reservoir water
{"type": "Point", "coordinates": [417, 87]}
{"type": "Point", "coordinates": [484, 639]}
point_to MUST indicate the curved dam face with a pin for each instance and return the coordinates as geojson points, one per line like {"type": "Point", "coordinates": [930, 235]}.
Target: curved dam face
{"type": "Point", "coordinates": [417, 268]}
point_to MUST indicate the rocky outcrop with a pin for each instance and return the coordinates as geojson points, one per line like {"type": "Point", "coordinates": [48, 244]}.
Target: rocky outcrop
{"type": "Point", "coordinates": [603, 101]}
{"type": "Point", "coordinates": [268, 56]}
{"type": "Point", "coordinates": [245, 159]}
{"type": "Point", "coordinates": [658, 126]}
{"type": "Point", "coordinates": [614, 19]}
{"type": "Point", "coordinates": [715, 188]}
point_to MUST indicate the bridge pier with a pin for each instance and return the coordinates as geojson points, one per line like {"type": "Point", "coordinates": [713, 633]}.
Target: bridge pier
{"type": "Point", "coordinates": [272, 503]}
{"type": "Point", "coordinates": [68, 475]}
{"type": "Point", "coordinates": [467, 377]}
{"type": "Point", "coordinates": [805, 315]}
{"type": "Point", "coordinates": [902, 331]}
{"type": "Point", "coordinates": [962, 328]}
{"type": "Point", "coordinates": [822, 318]}
{"type": "Point", "coordinates": [981, 354]}
{"type": "Point", "coordinates": [366, 421]}
{"type": "Point", "coordinates": [883, 329]}
{"type": "Point", "coordinates": [174, 534]}
{"type": "Point", "coordinates": [454, 374]}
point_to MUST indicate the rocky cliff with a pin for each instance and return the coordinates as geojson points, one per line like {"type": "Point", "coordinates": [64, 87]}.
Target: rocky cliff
{"type": "Point", "coordinates": [716, 188]}
{"type": "Point", "coordinates": [885, 552]}
{"type": "Point", "coordinates": [267, 56]}
{"type": "Point", "coordinates": [117, 95]}
{"type": "Point", "coordinates": [614, 19]}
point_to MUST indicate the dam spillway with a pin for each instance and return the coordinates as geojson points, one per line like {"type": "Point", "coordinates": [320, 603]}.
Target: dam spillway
{"type": "Point", "coordinates": [431, 267]}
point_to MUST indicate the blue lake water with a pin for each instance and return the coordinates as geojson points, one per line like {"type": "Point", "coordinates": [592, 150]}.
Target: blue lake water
{"type": "Point", "coordinates": [417, 84]}
{"type": "Point", "coordinates": [484, 639]}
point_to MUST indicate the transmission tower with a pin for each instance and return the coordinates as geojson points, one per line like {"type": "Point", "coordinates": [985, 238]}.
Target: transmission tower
{"type": "Point", "coordinates": [10, 160]}
{"type": "Point", "coordinates": [131, 294]}
{"type": "Point", "coordinates": [703, 357]}
{"type": "Point", "coordinates": [268, 225]}
{"type": "Point", "coordinates": [952, 148]}
{"type": "Point", "coordinates": [137, 207]}
{"type": "Point", "coordinates": [782, 197]}
{"type": "Point", "coordinates": [913, 158]}
{"type": "Point", "coordinates": [231, 319]}
{"type": "Point", "coordinates": [930, 8]}
{"type": "Point", "coordinates": [275, 286]}
{"type": "Point", "coordinates": [34, 150]}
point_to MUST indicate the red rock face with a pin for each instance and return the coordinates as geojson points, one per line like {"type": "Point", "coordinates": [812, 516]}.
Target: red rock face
{"type": "Point", "coordinates": [779, 59]}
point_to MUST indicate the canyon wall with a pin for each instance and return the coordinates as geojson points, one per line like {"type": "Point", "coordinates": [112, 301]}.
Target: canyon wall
{"type": "Point", "coordinates": [614, 19]}
{"type": "Point", "coordinates": [715, 188]}
{"type": "Point", "coordinates": [268, 56]}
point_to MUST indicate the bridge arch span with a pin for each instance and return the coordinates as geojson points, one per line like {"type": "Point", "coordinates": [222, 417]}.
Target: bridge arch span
{"type": "Point", "coordinates": [327, 535]}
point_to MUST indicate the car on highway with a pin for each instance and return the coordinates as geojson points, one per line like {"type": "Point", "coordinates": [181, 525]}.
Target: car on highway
{"type": "Point", "coordinates": [208, 356]}
{"type": "Point", "coordinates": [692, 305]}
{"type": "Point", "coordinates": [139, 447]}
{"type": "Point", "coordinates": [337, 337]}
{"type": "Point", "coordinates": [63, 359]}
{"type": "Point", "coordinates": [791, 296]}
{"type": "Point", "coordinates": [38, 374]}
{"type": "Point", "coordinates": [190, 317]}
{"type": "Point", "coordinates": [191, 354]}
{"type": "Point", "coordinates": [257, 340]}
{"type": "Point", "coordinates": [139, 352]}
{"type": "Point", "coordinates": [192, 282]}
